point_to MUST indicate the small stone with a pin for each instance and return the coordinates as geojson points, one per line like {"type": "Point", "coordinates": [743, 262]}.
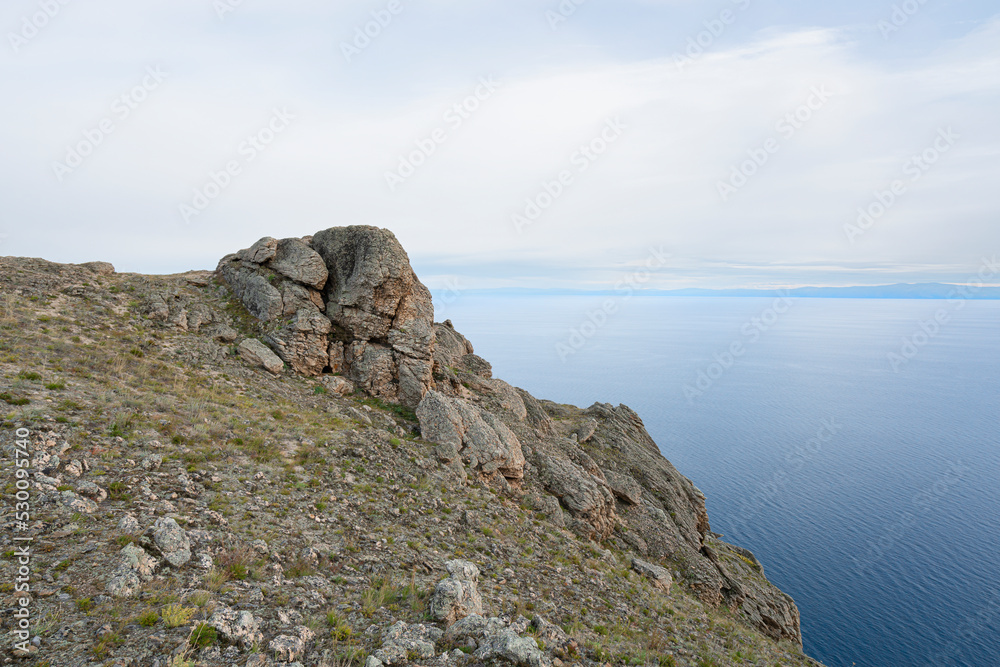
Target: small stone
{"type": "Point", "coordinates": [171, 541]}
{"type": "Point", "coordinates": [286, 647]}
{"type": "Point", "coordinates": [152, 462]}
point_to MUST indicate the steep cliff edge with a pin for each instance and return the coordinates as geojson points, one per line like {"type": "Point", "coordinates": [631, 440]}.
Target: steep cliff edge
{"type": "Point", "coordinates": [598, 465]}
{"type": "Point", "coordinates": [287, 462]}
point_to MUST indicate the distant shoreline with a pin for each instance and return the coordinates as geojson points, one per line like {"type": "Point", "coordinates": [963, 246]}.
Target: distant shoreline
{"type": "Point", "coordinates": [929, 291]}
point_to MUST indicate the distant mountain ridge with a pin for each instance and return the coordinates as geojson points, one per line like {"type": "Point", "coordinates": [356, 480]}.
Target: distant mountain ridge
{"type": "Point", "coordinates": [894, 291]}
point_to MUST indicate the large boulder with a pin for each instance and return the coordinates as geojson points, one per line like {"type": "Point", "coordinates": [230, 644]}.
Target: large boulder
{"type": "Point", "coordinates": [296, 260]}
{"type": "Point", "coordinates": [478, 437]}
{"type": "Point", "coordinates": [374, 297]}
{"type": "Point", "coordinates": [344, 300]}
{"type": "Point", "coordinates": [254, 352]}
{"type": "Point", "coordinates": [457, 596]}
{"type": "Point", "coordinates": [588, 498]}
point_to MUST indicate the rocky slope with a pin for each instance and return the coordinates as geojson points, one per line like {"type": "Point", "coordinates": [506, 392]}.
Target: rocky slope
{"type": "Point", "coordinates": [287, 461]}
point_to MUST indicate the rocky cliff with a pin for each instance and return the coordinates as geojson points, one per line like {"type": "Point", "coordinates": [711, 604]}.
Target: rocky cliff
{"type": "Point", "coordinates": [287, 460]}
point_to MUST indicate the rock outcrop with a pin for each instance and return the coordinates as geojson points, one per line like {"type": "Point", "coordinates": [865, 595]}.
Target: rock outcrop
{"type": "Point", "coordinates": [462, 430]}
{"type": "Point", "coordinates": [342, 301]}
{"type": "Point", "coordinates": [457, 596]}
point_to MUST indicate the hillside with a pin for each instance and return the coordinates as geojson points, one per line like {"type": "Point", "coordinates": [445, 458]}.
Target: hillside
{"type": "Point", "coordinates": [286, 461]}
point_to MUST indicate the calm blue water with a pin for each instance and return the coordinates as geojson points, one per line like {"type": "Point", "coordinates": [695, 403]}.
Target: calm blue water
{"type": "Point", "coordinates": [871, 496]}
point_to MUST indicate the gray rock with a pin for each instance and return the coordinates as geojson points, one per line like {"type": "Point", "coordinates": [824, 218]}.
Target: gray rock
{"type": "Point", "coordinates": [549, 633]}
{"type": "Point", "coordinates": [506, 646]}
{"type": "Point", "coordinates": [624, 487]}
{"type": "Point", "coordinates": [258, 295]}
{"type": "Point", "coordinates": [151, 462]}
{"type": "Point", "coordinates": [224, 333]}
{"type": "Point", "coordinates": [128, 524]}
{"type": "Point", "coordinates": [464, 430]}
{"type": "Point", "coordinates": [401, 641]}
{"type": "Point", "coordinates": [78, 504]}
{"type": "Point", "coordinates": [472, 625]}
{"type": "Point", "coordinates": [659, 576]}
{"type": "Point", "coordinates": [338, 385]}
{"type": "Point", "coordinates": [170, 540]}
{"type": "Point", "coordinates": [255, 352]}
{"type": "Point", "coordinates": [134, 568]}
{"type": "Point", "coordinates": [457, 596]}
{"type": "Point", "coordinates": [286, 647]}
{"type": "Point", "coordinates": [236, 627]}
{"type": "Point", "coordinates": [303, 342]}
{"type": "Point", "coordinates": [585, 430]}
{"type": "Point", "coordinates": [259, 252]}
{"type": "Point", "coordinates": [92, 491]}
{"type": "Point", "coordinates": [296, 260]}
{"type": "Point", "coordinates": [586, 497]}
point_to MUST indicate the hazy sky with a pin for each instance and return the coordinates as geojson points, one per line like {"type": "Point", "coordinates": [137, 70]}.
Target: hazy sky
{"type": "Point", "coordinates": [741, 137]}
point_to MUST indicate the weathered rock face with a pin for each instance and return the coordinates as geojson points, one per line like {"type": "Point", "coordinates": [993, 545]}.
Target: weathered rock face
{"type": "Point", "coordinates": [457, 596]}
{"type": "Point", "coordinates": [479, 438]}
{"type": "Point", "coordinates": [346, 301]}
{"type": "Point", "coordinates": [385, 313]}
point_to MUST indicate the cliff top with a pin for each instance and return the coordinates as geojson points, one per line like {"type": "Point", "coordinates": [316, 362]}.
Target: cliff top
{"type": "Point", "coordinates": [287, 461]}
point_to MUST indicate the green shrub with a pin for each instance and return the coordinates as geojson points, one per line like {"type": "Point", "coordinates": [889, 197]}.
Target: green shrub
{"type": "Point", "coordinates": [203, 635]}
{"type": "Point", "coordinates": [148, 618]}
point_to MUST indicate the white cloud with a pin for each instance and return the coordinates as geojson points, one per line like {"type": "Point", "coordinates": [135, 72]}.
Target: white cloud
{"type": "Point", "coordinates": [656, 185]}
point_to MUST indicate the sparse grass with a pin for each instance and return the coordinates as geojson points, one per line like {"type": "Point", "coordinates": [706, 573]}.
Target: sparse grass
{"type": "Point", "coordinates": [174, 615]}
{"type": "Point", "coordinates": [339, 628]}
{"type": "Point", "coordinates": [118, 490]}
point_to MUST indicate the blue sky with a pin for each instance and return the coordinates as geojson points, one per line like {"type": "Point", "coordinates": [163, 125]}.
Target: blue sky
{"type": "Point", "coordinates": [743, 138]}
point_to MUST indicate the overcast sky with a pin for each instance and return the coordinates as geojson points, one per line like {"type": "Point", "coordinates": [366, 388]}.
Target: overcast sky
{"type": "Point", "coordinates": [741, 137]}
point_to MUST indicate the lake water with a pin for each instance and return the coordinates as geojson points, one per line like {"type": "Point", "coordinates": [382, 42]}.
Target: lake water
{"type": "Point", "coordinates": [851, 444]}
